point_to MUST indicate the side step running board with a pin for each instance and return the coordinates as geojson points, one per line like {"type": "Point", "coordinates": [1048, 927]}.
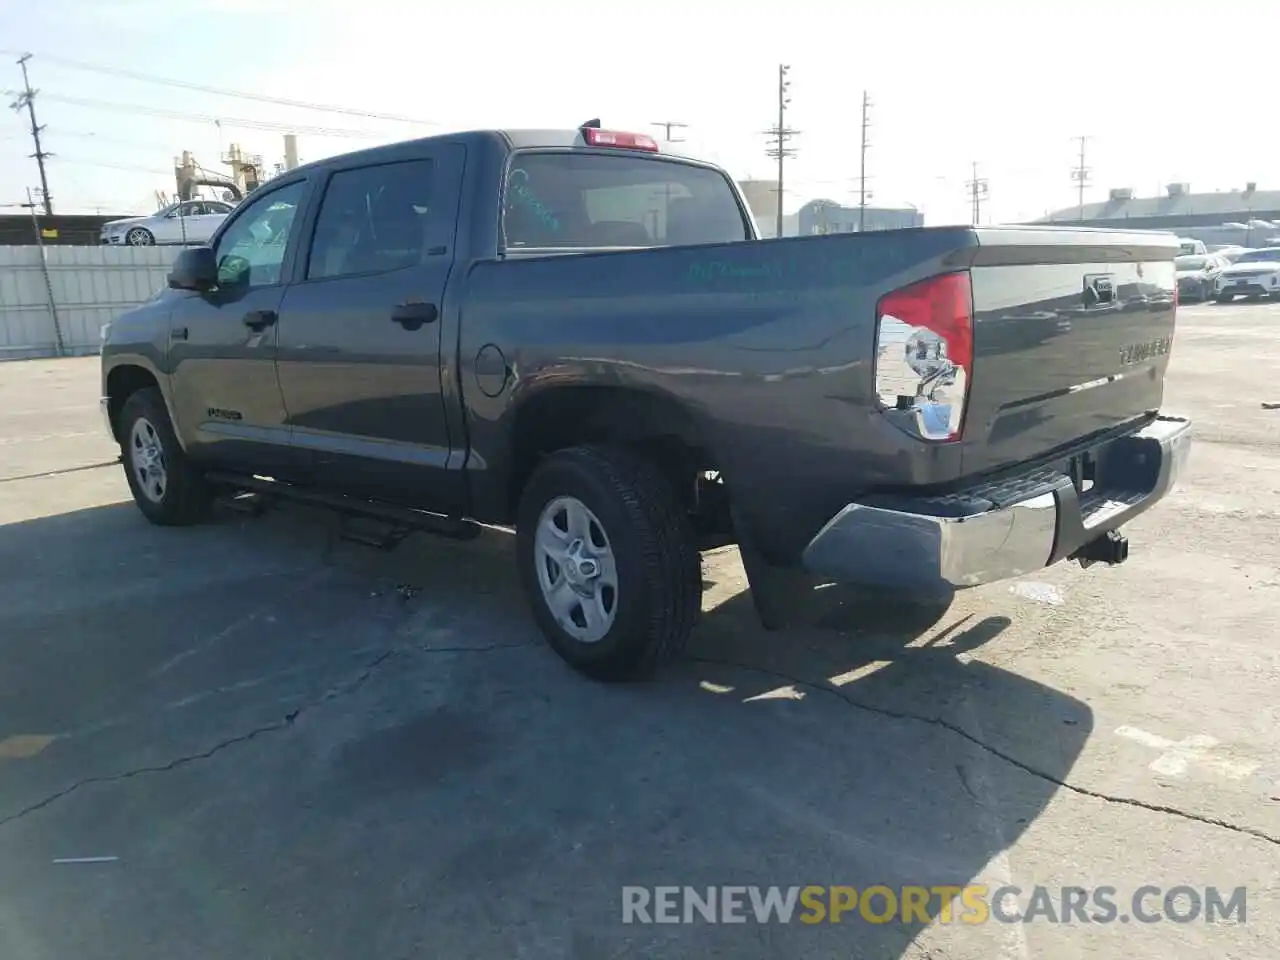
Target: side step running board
{"type": "Point", "coordinates": [455, 528]}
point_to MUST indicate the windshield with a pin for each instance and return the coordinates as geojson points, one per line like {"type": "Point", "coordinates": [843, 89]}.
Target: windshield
{"type": "Point", "coordinates": [1256, 256]}
{"type": "Point", "coordinates": [606, 200]}
{"type": "Point", "coordinates": [1190, 263]}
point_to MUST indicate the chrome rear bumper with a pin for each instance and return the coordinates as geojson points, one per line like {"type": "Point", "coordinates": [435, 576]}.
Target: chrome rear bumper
{"type": "Point", "coordinates": [994, 532]}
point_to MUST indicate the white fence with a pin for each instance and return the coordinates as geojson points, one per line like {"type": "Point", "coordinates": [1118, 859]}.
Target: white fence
{"type": "Point", "coordinates": [88, 286]}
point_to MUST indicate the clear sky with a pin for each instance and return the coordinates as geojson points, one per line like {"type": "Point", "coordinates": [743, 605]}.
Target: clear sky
{"type": "Point", "coordinates": [1164, 88]}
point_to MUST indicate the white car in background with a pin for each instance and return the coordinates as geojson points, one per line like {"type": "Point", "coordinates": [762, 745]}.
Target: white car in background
{"type": "Point", "coordinates": [189, 222]}
{"type": "Point", "coordinates": [1255, 273]}
{"type": "Point", "coordinates": [1196, 276]}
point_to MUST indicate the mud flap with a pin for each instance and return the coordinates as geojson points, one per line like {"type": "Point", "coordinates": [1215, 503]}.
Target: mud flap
{"type": "Point", "coordinates": [780, 594]}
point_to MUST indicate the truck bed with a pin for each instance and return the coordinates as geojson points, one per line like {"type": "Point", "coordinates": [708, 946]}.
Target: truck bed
{"type": "Point", "coordinates": [771, 344]}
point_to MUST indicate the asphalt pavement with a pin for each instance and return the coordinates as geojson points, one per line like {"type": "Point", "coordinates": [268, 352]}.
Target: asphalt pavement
{"type": "Point", "coordinates": [256, 739]}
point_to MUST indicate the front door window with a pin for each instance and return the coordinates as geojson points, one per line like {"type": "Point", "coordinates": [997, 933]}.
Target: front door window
{"type": "Point", "coordinates": [251, 252]}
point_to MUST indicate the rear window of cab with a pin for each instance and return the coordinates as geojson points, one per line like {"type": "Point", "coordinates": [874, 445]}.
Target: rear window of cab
{"type": "Point", "coordinates": [561, 199]}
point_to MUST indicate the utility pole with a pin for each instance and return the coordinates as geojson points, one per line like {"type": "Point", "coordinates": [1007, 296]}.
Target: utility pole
{"type": "Point", "coordinates": [59, 344]}
{"type": "Point", "coordinates": [668, 126]}
{"type": "Point", "coordinates": [781, 134]}
{"type": "Point", "coordinates": [1080, 175]}
{"type": "Point", "coordinates": [978, 191]}
{"type": "Point", "coordinates": [27, 99]}
{"type": "Point", "coordinates": [862, 172]}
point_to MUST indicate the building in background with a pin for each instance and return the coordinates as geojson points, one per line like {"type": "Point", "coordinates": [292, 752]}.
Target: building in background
{"type": "Point", "coordinates": [762, 199]}
{"type": "Point", "coordinates": [1250, 217]}
{"type": "Point", "coordinates": [826, 216]}
{"type": "Point", "coordinates": [190, 177]}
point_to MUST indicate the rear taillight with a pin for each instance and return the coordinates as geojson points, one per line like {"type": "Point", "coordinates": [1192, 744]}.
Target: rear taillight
{"type": "Point", "coordinates": [924, 355]}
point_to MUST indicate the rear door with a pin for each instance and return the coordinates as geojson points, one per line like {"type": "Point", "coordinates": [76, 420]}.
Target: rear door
{"type": "Point", "coordinates": [360, 332]}
{"type": "Point", "coordinates": [1072, 336]}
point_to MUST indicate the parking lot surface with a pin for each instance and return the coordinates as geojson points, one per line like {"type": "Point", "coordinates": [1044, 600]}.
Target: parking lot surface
{"type": "Point", "coordinates": [256, 739]}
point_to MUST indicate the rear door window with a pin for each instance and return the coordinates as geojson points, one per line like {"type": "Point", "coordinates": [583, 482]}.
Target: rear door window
{"type": "Point", "coordinates": [372, 220]}
{"type": "Point", "coordinates": [565, 200]}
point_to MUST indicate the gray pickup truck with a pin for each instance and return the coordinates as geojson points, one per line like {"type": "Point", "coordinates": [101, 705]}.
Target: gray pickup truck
{"type": "Point", "coordinates": [575, 334]}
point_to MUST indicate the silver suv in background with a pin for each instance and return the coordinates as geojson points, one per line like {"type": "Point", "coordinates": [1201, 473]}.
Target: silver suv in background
{"type": "Point", "coordinates": [1255, 274]}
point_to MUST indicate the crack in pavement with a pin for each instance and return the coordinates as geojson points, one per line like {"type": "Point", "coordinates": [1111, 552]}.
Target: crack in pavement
{"type": "Point", "coordinates": [61, 471]}
{"type": "Point", "coordinates": [342, 689]}
{"type": "Point", "coordinates": [997, 752]}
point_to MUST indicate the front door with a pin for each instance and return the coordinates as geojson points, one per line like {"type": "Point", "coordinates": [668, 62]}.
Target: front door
{"type": "Point", "coordinates": [181, 224]}
{"type": "Point", "coordinates": [360, 331]}
{"type": "Point", "coordinates": [222, 343]}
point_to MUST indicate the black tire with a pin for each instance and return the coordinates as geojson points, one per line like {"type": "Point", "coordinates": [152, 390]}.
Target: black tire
{"type": "Point", "coordinates": [659, 569]}
{"type": "Point", "coordinates": [139, 237]}
{"type": "Point", "coordinates": [185, 498]}
{"type": "Point", "coordinates": [1223, 298]}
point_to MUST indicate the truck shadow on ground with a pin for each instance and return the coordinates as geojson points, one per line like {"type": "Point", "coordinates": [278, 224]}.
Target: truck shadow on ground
{"type": "Point", "coordinates": [512, 798]}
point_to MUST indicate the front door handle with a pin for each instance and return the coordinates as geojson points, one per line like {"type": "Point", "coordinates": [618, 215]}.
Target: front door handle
{"type": "Point", "coordinates": [411, 316]}
{"type": "Point", "coordinates": [179, 333]}
{"type": "Point", "coordinates": [259, 319]}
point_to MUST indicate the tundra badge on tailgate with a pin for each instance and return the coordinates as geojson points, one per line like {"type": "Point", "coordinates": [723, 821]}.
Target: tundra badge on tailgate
{"type": "Point", "coordinates": [1138, 352]}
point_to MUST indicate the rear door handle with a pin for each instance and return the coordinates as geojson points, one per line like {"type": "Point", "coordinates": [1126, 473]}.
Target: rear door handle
{"type": "Point", "coordinates": [178, 333]}
{"type": "Point", "coordinates": [411, 316]}
{"type": "Point", "coordinates": [259, 319]}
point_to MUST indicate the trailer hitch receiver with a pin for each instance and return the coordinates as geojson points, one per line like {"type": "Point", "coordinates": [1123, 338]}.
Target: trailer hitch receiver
{"type": "Point", "coordinates": [1110, 548]}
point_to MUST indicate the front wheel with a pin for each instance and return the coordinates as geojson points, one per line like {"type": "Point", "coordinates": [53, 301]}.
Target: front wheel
{"type": "Point", "coordinates": [166, 486]}
{"type": "Point", "coordinates": [140, 237]}
{"type": "Point", "coordinates": [1223, 298]}
{"type": "Point", "coordinates": [608, 561]}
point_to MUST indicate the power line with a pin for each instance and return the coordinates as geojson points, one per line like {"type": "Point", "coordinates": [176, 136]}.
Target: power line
{"type": "Point", "coordinates": [1080, 174]}
{"type": "Point", "coordinates": [226, 92]}
{"type": "Point", "coordinates": [107, 165]}
{"type": "Point", "coordinates": [114, 141]}
{"type": "Point", "coordinates": [27, 100]}
{"type": "Point", "coordinates": [862, 167]}
{"type": "Point", "coordinates": [979, 190]}
{"type": "Point", "coordinates": [271, 125]}
{"type": "Point", "coordinates": [781, 134]}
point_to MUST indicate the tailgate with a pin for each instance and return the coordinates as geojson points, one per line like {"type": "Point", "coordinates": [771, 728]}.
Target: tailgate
{"type": "Point", "coordinates": [1072, 335]}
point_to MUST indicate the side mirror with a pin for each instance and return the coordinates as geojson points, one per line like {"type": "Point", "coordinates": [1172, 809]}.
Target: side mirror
{"type": "Point", "coordinates": [195, 269]}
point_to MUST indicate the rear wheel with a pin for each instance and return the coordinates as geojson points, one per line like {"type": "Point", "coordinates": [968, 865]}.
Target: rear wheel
{"type": "Point", "coordinates": [608, 561]}
{"type": "Point", "coordinates": [166, 485]}
{"type": "Point", "coordinates": [1224, 298]}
